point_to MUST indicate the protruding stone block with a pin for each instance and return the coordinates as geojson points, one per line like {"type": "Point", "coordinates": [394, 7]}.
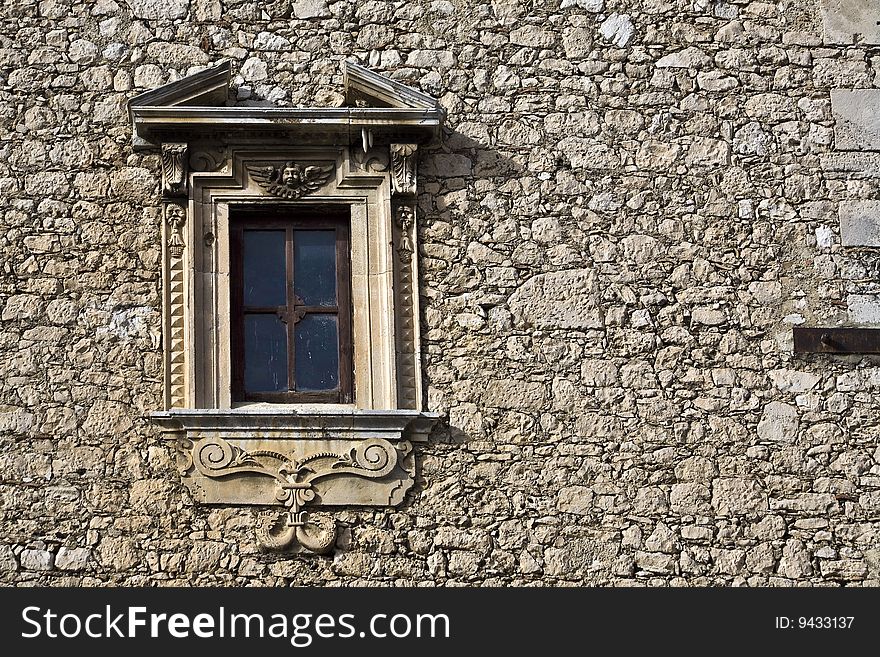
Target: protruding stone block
{"type": "Point", "coordinates": [851, 21]}
{"type": "Point", "coordinates": [856, 119]}
{"type": "Point", "coordinates": [859, 223]}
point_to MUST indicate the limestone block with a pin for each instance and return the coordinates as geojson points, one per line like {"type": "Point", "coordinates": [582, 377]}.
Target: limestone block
{"type": "Point", "coordinates": [795, 561]}
{"type": "Point", "coordinates": [734, 495]}
{"type": "Point", "coordinates": [72, 558]}
{"type": "Point", "coordinates": [852, 163]}
{"type": "Point", "coordinates": [690, 499]}
{"type": "Point", "coordinates": [8, 562]}
{"type": "Point", "coordinates": [513, 394]}
{"type": "Point", "coordinates": [863, 308]}
{"type": "Point", "coordinates": [558, 300]}
{"type": "Point", "coordinates": [159, 9]}
{"type": "Point", "coordinates": [779, 422]}
{"type": "Point", "coordinates": [691, 57]}
{"type": "Point", "coordinates": [859, 223]}
{"type": "Point", "coordinates": [310, 9]}
{"type": "Point", "coordinates": [851, 21]}
{"type": "Point", "coordinates": [856, 119]}
{"type": "Point", "coordinates": [575, 499]}
{"type": "Point", "coordinates": [851, 570]}
{"type": "Point", "coordinates": [594, 6]}
{"type": "Point", "coordinates": [36, 559]}
{"type": "Point", "coordinates": [618, 29]}
{"type": "Point", "coordinates": [655, 562]}
{"type": "Point", "coordinates": [118, 553]}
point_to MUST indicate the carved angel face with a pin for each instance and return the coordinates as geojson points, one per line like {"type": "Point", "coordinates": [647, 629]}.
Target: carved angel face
{"type": "Point", "coordinates": [292, 175]}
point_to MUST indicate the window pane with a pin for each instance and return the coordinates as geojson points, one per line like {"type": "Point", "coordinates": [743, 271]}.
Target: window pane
{"type": "Point", "coordinates": [317, 353]}
{"type": "Point", "coordinates": [314, 266]}
{"type": "Point", "coordinates": [265, 353]}
{"type": "Point", "coordinates": [265, 270]}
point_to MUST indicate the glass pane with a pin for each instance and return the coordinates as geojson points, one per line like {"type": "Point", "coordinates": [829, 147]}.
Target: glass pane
{"type": "Point", "coordinates": [314, 266]}
{"type": "Point", "coordinates": [265, 269]}
{"type": "Point", "coordinates": [265, 353]}
{"type": "Point", "coordinates": [317, 353]}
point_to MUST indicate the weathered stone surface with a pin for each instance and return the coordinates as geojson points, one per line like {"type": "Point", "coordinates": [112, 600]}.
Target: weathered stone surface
{"type": "Point", "coordinates": [575, 499]}
{"type": "Point", "coordinates": [856, 122]}
{"type": "Point", "coordinates": [618, 29]}
{"type": "Point", "coordinates": [558, 300]}
{"type": "Point", "coordinates": [779, 422]}
{"type": "Point", "coordinates": [734, 496]}
{"type": "Point", "coordinates": [863, 308]}
{"type": "Point", "coordinates": [691, 57]}
{"type": "Point", "coordinates": [846, 22]}
{"type": "Point", "coordinates": [310, 8]}
{"type": "Point", "coordinates": [159, 9]}
{"type": "Point", "coordinates": [36, 559]}
{"type": "Point", "coordinates": [625, 217]}
{"type": "Point", "coordinates": [72, 558]}
{"type": "Point", "coordinates": [859, 223]}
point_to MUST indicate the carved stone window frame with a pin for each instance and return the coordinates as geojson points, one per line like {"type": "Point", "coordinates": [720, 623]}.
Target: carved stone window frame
{"type": "Point", "coordinates": [216, 158]}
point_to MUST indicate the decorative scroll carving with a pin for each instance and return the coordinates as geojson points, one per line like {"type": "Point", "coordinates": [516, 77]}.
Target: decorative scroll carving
{"type": "Point", "coordinates": [407, 320]}
{"type": "Point", "coordinates": [175, 217]}
{"type": "Point", "coordinates": [292, 180]}
{"type": "Point", "coordinates": [403, 168]}
{"type": "Point", "coordinates": [295, 481]}
{"type": "Point", "coordinates": [376, 159]}
{"type": "Point", "coordinates": [174, 169]}
{"type": "Point", "coordinates": [208, 159]}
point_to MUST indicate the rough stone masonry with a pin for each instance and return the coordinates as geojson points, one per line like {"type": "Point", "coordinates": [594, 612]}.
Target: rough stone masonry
{"type": "Point", "coordinates": [635, 202]}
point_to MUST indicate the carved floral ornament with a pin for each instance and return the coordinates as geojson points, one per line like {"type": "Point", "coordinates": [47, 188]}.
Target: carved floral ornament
{"type": "Point", "coordinates": [294, 464]}
{"type": "Point", "coordinates": [295, 481]}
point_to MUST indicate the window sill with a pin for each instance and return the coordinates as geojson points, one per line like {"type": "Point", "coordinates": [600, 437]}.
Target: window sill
{"type": "Point", "coordinates": [257, 454]}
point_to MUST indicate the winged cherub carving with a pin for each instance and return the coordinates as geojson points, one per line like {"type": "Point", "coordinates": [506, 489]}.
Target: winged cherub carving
{"type": "Point", "coordinates": [291, 180]}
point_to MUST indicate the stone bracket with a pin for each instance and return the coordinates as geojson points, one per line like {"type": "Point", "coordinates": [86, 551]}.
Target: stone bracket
{"type": "Point", "coordinates": [293, 460]}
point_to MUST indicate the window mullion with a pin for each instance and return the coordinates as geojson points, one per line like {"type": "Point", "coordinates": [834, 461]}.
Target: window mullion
{"type": "Point", "coordinates": [291, 314]}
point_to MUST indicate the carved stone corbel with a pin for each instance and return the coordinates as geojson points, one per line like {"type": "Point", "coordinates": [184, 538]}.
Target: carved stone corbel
{"type": "Point", "coordinates": [174, 170]}
{"type": "Point", "coordinates": [403, 168]}
{"type": "Point", "coordinates": [299, 480]}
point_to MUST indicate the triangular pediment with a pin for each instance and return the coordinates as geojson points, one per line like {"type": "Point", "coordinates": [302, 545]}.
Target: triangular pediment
{"type": "Point", "coordinates": [195, 105]}
{"type": "Point", "coordinates": [208, 88]}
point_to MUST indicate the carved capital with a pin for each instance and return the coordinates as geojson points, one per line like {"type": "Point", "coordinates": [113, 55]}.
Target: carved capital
{"type": "Point", "coordinates": [174, 169]}
{"type": "Point", "coordinates": [403, 168]}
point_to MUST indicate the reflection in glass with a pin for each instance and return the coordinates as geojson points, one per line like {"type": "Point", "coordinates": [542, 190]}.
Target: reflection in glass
{"type": "Point", "coordinates": [317, 353]}
{"type": "Point", "coordinates": [265, 353]}
{"type": "Point", "coordinates": [314, 266]}
{"type": "Point", "coordinates": [265, 268]}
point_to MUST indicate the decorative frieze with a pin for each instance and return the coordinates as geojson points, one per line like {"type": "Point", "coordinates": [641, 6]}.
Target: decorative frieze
{"type": "Point", "coordinates": [292, 180]}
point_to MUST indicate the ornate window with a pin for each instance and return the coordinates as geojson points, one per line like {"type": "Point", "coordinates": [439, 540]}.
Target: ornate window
{"type": "Point", "coordinates": [291, 315]}
{"type": "Point", "coordinates": [292, 356]}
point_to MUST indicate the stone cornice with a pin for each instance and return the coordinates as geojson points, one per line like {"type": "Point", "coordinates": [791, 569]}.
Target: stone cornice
{"type": "Point", "coordinates": [183, 108]}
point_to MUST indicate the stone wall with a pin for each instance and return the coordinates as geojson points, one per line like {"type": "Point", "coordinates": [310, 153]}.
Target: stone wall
{"type": "Point", "coordinates": [636, 201]}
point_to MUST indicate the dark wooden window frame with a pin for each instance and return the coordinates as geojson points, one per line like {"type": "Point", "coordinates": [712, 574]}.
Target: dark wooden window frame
{"type": "Point", "coordinates": [290, 218]}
